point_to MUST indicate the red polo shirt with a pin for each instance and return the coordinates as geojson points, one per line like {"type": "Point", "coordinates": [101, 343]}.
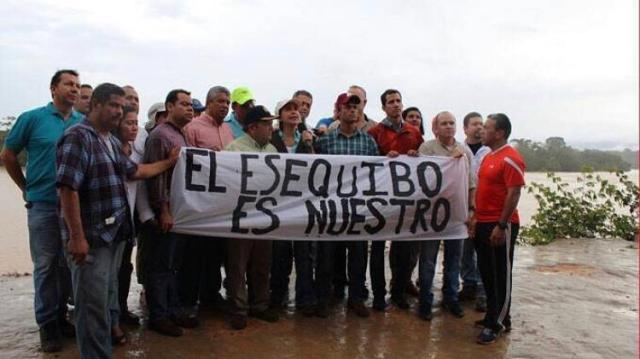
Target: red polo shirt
{"type": "Point", "coordinates": [388, 139]}
{"type": "Point", "coordinates": [499, 170]}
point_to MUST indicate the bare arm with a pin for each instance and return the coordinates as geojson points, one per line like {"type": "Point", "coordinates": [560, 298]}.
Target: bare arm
{"type": "Point", "coordinates": [10, 160]}
{"type": "Point", "coordinates": [77, 245]}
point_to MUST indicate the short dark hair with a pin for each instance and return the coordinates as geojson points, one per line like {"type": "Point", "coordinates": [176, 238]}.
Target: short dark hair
{"type": "Point", "coordinates": [302, 92]}
{"type": "Point", "coordinates": [126, 110]}
{"type": "Point", "coordinates": [172, 96]}
{"type": "Point", "coordinates": [383, 97]}
{"type": "Point", "coordinates": [405, 113]}
{"type": "Point", "coordinates": [103, 92]}
{"type": "Point", "coordinates": [468, 117]}
{"type": "Point", "coordinates": [502, 123]}
{"type": "Point", "coordinates": [86, 86]}
{"type": "Point", "coordinates": [56, 77]}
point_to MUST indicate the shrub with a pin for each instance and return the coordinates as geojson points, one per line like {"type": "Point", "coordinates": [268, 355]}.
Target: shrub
{"type": "Point", "coordinates": [597, 208]}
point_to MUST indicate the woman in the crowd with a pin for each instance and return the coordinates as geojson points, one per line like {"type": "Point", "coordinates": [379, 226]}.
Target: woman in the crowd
{"type": "Point", "coordinates": [126, 132]}
{"type": "Point", "coordinates": [289, 139]}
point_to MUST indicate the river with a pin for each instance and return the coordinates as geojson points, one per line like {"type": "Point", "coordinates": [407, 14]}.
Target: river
{"type": "Point", "coordinates": [14, 245]}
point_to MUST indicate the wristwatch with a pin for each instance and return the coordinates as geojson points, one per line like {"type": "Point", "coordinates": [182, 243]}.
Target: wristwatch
{"type": "Point", "coordinates": [502, 225]}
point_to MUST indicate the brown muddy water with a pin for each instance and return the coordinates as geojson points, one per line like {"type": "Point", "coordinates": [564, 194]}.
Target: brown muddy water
{"type": "Point", "coordinates": [571, 299]}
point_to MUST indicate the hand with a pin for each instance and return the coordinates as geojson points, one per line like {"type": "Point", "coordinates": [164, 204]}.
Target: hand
{"type": "Point", "coordinates": [471, 226]}
{"type": "Point", "coordinates": [307, 136]}
{"type": "Point", "coordinates": [413, 153]}
{"type": "Point", "coordinates": [165, 222]}
{"type": "Point", "coordinates": [393, 154]}
{"type": "Point", "coordinates": [174, 154]}
{"type": "Point", "coordinates": [498, 237]}
{"type": "Point", "coordinates": [321, 131]}
{"type": "Point", "coordinates": [78, 247]}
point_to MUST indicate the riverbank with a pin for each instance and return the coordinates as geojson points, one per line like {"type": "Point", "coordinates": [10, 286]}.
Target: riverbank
{"type": "Point", "coordinates": [571, 299]}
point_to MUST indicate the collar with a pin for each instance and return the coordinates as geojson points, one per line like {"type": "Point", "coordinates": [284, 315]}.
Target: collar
{"type": "Point", "coordinates": [339, 133]}
{"type": "Point", "coordinates": [390, 124]}
{"type": "Point", "coordinates": [208, 119]}
{"type": "Point", "coordinates": [254, 142]}
{"type": "Point", "coordinates": [499, 149]}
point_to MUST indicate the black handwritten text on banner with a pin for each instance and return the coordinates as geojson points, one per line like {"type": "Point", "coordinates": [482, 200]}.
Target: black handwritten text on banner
{"type": "Point", "coordinates": [318, 197]}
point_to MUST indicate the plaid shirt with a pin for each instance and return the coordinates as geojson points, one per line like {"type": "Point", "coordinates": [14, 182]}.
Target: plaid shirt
{"type": "Point", "coordinates": [87, 166]}
{"type": "Point", "coordinates": [335, 143]}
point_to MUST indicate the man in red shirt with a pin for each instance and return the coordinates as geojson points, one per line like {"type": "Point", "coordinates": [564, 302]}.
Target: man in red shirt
{"type": "Point", "coordinates": [500, 180]}
{"type": "Point", "coordinates": [394, 137]}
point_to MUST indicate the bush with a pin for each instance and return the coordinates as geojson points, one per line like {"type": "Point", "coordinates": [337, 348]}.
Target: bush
{"type": "Point", "coordinates": [597, 208]}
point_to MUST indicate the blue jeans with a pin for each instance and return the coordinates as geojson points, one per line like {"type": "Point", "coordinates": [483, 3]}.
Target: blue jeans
{"type": "Point", "coordinates": [469, 268]}
{"type": "Point", "coordinates": [95, 293]}
{"type": "Point", "coordinates": [428, 259]}
{"type": "Point", "coordinates": [164, 263]}
{"type": "Point", "coordinates": [50, 273]}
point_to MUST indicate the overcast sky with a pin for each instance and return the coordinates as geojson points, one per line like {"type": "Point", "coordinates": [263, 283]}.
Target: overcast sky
{"type": "Point", "coordinates": [556, 68]}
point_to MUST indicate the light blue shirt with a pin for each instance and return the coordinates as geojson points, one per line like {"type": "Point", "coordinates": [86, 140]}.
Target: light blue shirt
{"type": "Point", "coordinates": [236, 127]}
{"type": "Point", "coordinates": [38, 131]}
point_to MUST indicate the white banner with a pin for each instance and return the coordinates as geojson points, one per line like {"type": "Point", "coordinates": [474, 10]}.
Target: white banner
{"type": "Point", "coordinates": [319, 197]}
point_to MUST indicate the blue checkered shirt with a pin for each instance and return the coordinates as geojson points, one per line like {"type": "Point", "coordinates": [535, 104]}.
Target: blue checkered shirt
{"type": "Point", "coordinates": [335, 143]}
{"type": "Point", "coordinates": [87, 166]}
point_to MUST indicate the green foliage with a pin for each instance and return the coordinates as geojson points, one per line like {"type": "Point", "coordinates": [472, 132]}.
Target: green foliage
{"type": "Point", "coordinates": [554, 155]}
{"type": "Point", "coordinates": [596, 208]}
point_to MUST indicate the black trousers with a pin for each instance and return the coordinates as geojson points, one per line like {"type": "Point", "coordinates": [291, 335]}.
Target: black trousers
{"type": "Point", "coordinates": [201, 278]}
{"type": "Point", "coordinates": [496, 266]}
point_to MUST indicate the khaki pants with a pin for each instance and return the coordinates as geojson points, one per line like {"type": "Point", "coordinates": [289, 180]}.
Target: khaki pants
{"type": "Point", "coordinates": [249, 261]}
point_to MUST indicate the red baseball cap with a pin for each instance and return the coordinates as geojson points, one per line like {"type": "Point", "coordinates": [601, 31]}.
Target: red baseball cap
{"type": "Point", "coordinates": [345, 98]}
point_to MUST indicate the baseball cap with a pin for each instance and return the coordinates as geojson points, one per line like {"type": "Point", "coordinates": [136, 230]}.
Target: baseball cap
{"type": "Point", "coordinates": [154, 110]}
{"type": "Point", "coordinates": [345, 98]}
{"type": "Point", "coordinates": [258, 113]}
{"type": "Point", "coordinates": [241, 95]}
{"type": "Point", "coordinates": [282, 104]}
{"type": "Point", "coordinates": [197, 105]}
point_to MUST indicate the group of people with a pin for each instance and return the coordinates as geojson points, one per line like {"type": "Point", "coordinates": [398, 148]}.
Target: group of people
{"type": "Point", "coordinates": [97, 184]}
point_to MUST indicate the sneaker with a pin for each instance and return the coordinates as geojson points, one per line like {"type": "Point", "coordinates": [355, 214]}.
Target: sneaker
{"type": "Point", "coordinates": [400, 302]}
{"type": "Point", "coordinates": [412, 290]}
{"type": "Point", "coordinates": [467, 294]}
{"type": "Point", "coordinates": [237, 321]}
{"type": "Point", "coordinates": [268, 315]}
{"type": "Point", "coordinates": [487, 336]}
{"type": "Point", "coordinates": [483, 324]}
{"type": "Point", "coordinates": [481, 305]}
{"type": "Point", "coordinates": [185, 321]}
{"type": "Point", "coordinates": [129, 318]}
{"type": "Point", "coordinates": [453, 308]}
{"type": "Point", "coordinates": [67, 329]}
{"type": "Point", "coordinates": [166, 326]}
{"type": "Point", "coordinates": [359, 308]}
{"type": "Point", "coordinates": [379, 304]}
{"type": "Point", "coordinates": [50, 341]}
{"type": "Point", "coordinates": [322, 310]}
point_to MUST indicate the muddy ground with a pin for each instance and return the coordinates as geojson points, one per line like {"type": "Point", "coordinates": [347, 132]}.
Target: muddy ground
{"type": "Point", "coordinates": [572, 299]}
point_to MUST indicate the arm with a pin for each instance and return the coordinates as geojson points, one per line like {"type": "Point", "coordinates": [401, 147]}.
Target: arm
{"type": "Point", "coordinates": [77, 245]}
{"type": "Point", "coordinates": [153, 169]}
{"type": "Point", "coordinates": [10, 160]}
{"type": "Point", "coordinates": [511, 202]}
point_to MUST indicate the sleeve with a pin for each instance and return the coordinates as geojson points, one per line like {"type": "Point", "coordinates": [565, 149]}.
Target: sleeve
{"type": "Point", "coordinates": [72, 162]}
{"type": "Point", "coordinates": [156, 150]}
{"type": "Point", "coordinates": [138, 143]}
{"type": "Point", "coordinates": [145, 212]}
{"type": "Point", "coordinates": [513, 174]}
{"type": "Point", "coordinates": [424, 149]}
{"type": "Point", "coordinates": [18, 136]}
{"type": "Point", "coordinates": [472, 176]}
{"type": "Point", "coordinates": [190, 136]}
{"type": "Point", "coordinates": [130, 167]}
